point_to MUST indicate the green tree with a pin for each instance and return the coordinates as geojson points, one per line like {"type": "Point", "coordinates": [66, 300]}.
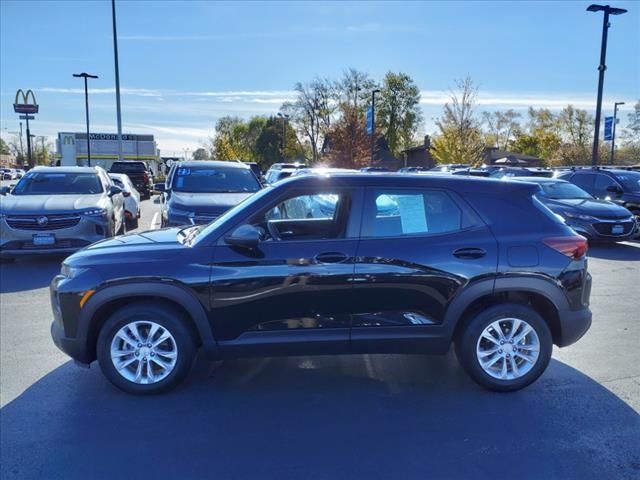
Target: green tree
{"type": "Point", "coordinates": [460, 139]}
{"type": "Point", "coordinates": [200, 154]}
{"type": "Point", "coordinates": [398, 111]}
{"type": "Point", "coordinates": [4, 147]}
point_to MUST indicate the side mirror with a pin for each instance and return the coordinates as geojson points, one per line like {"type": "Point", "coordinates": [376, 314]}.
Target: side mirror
{"type": "Point", "coordinates": [5, 190]}
{"type": "Point", "coordinates": [159, 187]}
{"type": "Point", "coordinates": [245, 236]}
{"type": "Point", "coordinates": [113, 190]}
{"type": "Point", "coordinates": [614, 189]}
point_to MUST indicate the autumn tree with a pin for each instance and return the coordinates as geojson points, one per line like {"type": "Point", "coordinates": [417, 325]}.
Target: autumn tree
{"type": "Point", "coordinates": [460, 139]}
{"type": "Point", "coordinates": [348, 144]}
{"type": "Point", "coordinates": [500, 128]}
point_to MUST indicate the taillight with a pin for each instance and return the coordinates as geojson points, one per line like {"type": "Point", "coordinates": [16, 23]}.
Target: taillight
{"type": "Point", "coordinates": [574, 246]}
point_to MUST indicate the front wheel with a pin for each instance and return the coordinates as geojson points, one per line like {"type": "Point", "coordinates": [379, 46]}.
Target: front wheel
{"type": "Point", "coordinates": [505, 347]}
{"type": "Point", "coordinates": [145, 348]}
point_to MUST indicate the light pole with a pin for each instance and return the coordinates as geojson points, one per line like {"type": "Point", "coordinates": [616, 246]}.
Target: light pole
{"type": "Point", "coordinates": [86, 106]}
{"type": "Point", "coordinates": [117, 75]}
{"type": "Point", "coordinates": [284, 118]}
{"type": "Point", "coordinates": [373, 121]}
{"type": "Point", "coordinates": [613, 129]}
{"type": "Point", "coordinates": [601, 68]}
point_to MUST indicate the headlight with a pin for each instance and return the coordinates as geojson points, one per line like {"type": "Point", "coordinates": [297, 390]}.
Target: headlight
{"type": "Point", "coordinates": [580, 216]}
{"type": "Point", "coordinates": [94, 212]}
{"type": "Point", "coordinates": [70, 272]}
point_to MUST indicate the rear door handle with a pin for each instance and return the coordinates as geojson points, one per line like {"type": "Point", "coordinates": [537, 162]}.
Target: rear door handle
{"type": "Point", "coordinates": [331, 257]}
{"type": "Point", "coordinates": [469, 253]}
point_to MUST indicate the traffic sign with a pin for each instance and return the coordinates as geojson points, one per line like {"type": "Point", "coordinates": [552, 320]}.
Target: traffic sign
{"type": "Point", "coordinates": [608, 128]}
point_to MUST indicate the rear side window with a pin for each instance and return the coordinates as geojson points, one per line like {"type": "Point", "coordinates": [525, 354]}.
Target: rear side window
{"type": "Point", "coordinates": [394, 213]}
{"type": "Point", "coordinates": [602, 182]}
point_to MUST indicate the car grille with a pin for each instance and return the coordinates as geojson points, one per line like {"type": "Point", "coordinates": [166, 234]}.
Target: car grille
{"type": "Point", "coordinates": [42, 223]}
{"type": "Point", "coordinates": [205, 217]}
{"type": "Point", "coordinates": [605, 228]}
{"type": "Point", "coordinates": [613, 217]}
{"type": "Point", "coordinates": [60, 244]}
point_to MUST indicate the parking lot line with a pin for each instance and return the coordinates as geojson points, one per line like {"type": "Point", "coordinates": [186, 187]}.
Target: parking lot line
{"type": "Point", "coordinates": [155, 221]}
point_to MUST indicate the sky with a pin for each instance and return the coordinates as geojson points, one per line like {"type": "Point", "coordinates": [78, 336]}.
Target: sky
{"type": "Point", "coordinates": [185, 64]}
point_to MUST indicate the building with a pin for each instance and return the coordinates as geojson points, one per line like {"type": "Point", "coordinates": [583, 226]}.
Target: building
{"type": "Point", "coordinates": [72, 149]}
{"type": "Point", "coordinates": [419, 156]}
{"type": "Point", "coordinates": [7, 160]}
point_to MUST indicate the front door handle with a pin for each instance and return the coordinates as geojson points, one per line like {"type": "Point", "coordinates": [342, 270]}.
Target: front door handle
{"type": "Point", "coordinates": [469, 253]}
{"type": "Point", "coordinates": [331, 257]}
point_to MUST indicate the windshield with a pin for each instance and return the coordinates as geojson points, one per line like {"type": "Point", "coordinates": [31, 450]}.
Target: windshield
{"type": "Point", "coordinates": [214, 180]}
{"type": "Point", "coordinates": [51, 183]}
{"type": "Point", "coordinates": [222, 219]}
{"type": "Point", "coordinates": [630, 181]}
{"type": "Point", "coordinates": [562, 190]}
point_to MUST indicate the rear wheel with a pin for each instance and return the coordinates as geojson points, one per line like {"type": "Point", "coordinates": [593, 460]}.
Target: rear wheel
{"type": "Point", "coordinates": [145, 349]}
{"type": "Point", "coordinates": [505, 347]}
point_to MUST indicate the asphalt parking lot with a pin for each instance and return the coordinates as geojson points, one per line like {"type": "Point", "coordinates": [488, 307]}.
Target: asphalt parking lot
{"type": "Point", "coordinates": [362, 416]}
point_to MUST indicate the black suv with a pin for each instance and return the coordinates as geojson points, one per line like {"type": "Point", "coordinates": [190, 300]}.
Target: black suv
{"type": "Point", "coordinates": [344, 263]}
{"type": "Point", "coordinates": [619, 186]}
{"type": "Point", "coordinates": [137, 173]}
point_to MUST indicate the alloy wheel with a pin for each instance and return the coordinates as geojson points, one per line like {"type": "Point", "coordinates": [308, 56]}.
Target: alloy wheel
{"type": "Point", "coordinates": [144, 352]}
{"type": "Point", "coordinates": [508, 348]}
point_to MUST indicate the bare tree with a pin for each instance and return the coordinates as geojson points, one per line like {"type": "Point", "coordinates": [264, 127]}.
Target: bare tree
{"type": "Point", "coordinates": [502, 128]}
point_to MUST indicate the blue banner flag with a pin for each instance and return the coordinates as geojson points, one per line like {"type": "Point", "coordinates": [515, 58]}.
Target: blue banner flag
{"type": "Point", "coordinates": [608, 128]}
{"type": "Point", "coordinates": [369, 120]}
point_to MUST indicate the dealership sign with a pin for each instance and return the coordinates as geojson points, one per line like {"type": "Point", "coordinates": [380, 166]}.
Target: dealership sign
{"type": "Point", "coordinates": [25, 102]}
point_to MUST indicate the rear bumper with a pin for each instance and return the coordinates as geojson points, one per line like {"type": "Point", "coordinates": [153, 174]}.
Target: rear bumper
{"type": "Point", "coordinates": [573, 326]}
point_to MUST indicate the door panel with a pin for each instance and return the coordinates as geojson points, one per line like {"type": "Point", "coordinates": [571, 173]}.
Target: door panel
{"type": "Point", "coordinates": [283, 286]}
{"type": "Point", "coordinates": [405, 276]}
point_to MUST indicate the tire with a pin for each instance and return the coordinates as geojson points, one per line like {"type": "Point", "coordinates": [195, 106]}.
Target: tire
{"type": "Point", "coordinates": [469, 347]}
{"type": "Point", "coordinates": [145, 314]}
{"type": "Point", "coordinates": [132, 223]}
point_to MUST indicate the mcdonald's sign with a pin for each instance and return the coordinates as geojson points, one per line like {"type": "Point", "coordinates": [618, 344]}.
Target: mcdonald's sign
{"type": "Point", "coordinates": [68, 140]}
{"type": "Point", "coordinates": [22, 104]}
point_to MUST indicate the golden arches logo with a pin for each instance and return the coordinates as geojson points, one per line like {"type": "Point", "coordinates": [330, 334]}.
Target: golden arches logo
{"type": "Point", "coordinates": [68, 140]}
{"type": "Point", "coordinates": [22, 103]}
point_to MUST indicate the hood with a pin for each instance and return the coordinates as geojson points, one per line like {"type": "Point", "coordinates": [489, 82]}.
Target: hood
{"type": "Point", "coordinates": [207, 202]}
{"type": "Point", "coordinates": [586, 206]}
{"type": "Point", "coordinates": [38, 204]}
{"type": "Point", "coordinates": [154, 245]}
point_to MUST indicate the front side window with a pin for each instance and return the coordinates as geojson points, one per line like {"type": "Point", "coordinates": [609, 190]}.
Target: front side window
{"type": "Point", "coordinates": [305, 217]}
{"type": "Point", "coordinates": [214, 180]}
{"type": "Point", "coordinates": [52, 183]}
{"type": "Point", "coordinates": [630, 180]}
{"type": "Point", "coordinates": [395, 213]}
{"type": "Point", "coordinates": [602, 183]}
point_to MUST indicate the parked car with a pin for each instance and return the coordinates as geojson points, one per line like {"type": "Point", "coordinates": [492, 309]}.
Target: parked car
{"type": "Point", "coordinates": [320, 171]}
{"type": "Point", "coordinates": [374, 169]}
{"type": "Point", "coordinates": [507, 172]}
{"type": "Point", "coordinates": [472, 172]}
{"type": "Point", "coordinates": [8, 174]}
{"type": "Point", "coordinates": [59, 210]}
{"type": "Point", "coordinates": [131, 199]}
{"type": "Point", "coordinates": [197, 192]}
{"type": "Point", "coordinates": [280, 171]}
{"type": "Point", "coordinates": [386, 263]}
{"type": "Point", "coordinates": [619, 186]}
{"type": "Point", "coordinates": [20, 173]}
{"type": "Point", "coordinates": [595, 219]}
{"type": "Point", "coordinates": [450, 167]}
{"type": "Point", "coordinates": [139, 175]}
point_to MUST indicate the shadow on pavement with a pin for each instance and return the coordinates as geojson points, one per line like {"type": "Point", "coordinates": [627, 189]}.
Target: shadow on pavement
{"type": "Point", "coordinates": [28, 273]}
{"type": "Point", "coordinates": [359, 417]}
{"type": "Point", "coordinates": [617, 251]}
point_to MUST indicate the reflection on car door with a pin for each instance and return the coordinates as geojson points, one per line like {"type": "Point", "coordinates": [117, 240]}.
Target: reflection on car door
{"type": "Point", "coordinates": [418, 248]}
{"type": "Point", "coordinates": [292, 293]}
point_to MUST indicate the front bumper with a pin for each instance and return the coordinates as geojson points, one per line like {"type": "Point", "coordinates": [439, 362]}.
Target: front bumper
{"type": "Point", "coordinates": [16, 242]}
{"type": "Point", "coordinates": [602, 229]}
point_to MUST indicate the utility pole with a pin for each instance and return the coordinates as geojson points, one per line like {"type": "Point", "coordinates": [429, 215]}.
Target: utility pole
{"type": "Point", "coordinates": [613, 129]}
{"type": "Point", "coordinates": [117, 72]}
{"type": "Point", "coordinates": [85, 76]}
{"type": "Point", "coordinates": [601, 69]}
{"type": "Point", "coordinates": [21, 147]}
{"type": "Point", "coordinates": [283, 144]}
{"type": "Point", "coordinates": [373, 122]}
